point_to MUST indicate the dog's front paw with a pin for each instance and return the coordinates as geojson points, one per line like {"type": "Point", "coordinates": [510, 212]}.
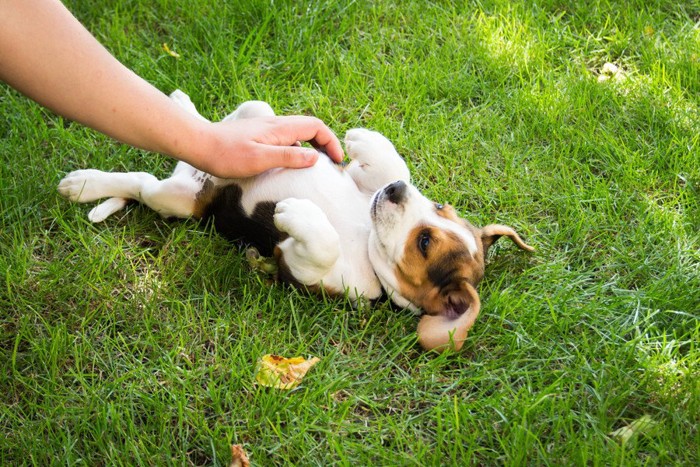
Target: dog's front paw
{"type": "Point", "coordinates": [365, 145]}
{"type": "Point", "coordinates": [313, 246]}
{"type": "Point", "coordinates": [300, 218]}
{"type": "Point", "coordinates": [375, 161]}
{"type": "Point", "coordinates": [81, 186]}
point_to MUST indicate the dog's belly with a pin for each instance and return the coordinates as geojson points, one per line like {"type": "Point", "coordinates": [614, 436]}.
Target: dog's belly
{"type": "Point", "coordinates": [244, 210]}
{"type": "Point", "coordinates": [327, 185]}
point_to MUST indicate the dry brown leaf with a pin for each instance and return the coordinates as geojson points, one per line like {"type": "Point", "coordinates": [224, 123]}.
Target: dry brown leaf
{"type": "Point", "coordinates": [238, 456]}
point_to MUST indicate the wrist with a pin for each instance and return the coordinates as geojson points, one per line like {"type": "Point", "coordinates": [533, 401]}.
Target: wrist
{"type": "Point", "coordinates": [191, 143]}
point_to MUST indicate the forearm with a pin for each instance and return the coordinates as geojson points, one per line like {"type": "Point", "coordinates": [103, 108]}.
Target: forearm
{"type": "Point", "coordinates": [48, 55]}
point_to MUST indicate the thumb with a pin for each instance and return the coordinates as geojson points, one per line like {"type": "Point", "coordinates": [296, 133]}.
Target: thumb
{"type": "Point", "coordinates": [294, 157]}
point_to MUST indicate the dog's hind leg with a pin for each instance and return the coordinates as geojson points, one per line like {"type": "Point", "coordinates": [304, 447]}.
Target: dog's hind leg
{"type": "Point", "coordinates": [375, 161]}
{"type": "Point", "coordinates": [248, 109]}
{"type": "Point", "coordinates": [251, 109]}
{"type": "Point", "coordinates": [106, 208]}
{"type": "Point", "coordinates": [172, 197]}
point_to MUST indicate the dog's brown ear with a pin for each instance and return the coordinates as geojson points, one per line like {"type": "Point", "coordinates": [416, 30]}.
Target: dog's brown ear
{"type": "Point", "coordinates": [449, 329]}
{"type": "Point", "coordinates": [493, 232]}
{"type": "Point", "coordinates": [457, 298]}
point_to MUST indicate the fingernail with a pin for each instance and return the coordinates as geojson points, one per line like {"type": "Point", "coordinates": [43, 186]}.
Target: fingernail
{"type": "Point", "coordinates": [310, 156]}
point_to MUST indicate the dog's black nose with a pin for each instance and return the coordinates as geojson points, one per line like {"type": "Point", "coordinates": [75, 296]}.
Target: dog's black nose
{"type": "Point", "coordinates": [396, 192]}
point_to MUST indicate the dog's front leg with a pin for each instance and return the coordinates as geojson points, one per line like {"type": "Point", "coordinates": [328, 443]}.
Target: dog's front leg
{"type": "Point", "coordinates": [313, 246]}
{"type": "Point", "coordinates": [375, 161]}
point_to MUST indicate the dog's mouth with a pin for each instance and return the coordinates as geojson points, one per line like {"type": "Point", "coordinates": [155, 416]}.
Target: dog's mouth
{"type": "Point", "coordinates": [375, 202]}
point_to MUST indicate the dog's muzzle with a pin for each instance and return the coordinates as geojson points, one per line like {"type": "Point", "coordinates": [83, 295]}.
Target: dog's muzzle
{"type": "Point", "coordinates": [396, 192]}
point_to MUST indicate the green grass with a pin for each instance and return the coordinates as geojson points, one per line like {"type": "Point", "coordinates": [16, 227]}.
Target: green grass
{"type": "Point", "coordinates": [135, 341]}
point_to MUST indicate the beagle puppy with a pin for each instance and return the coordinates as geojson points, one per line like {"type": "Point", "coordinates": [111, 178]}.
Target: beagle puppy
{"type": "Point", "coordinates": [360, 230]}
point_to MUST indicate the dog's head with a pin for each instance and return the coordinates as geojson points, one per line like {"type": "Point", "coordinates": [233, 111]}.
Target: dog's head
{"type": "Point", "coordinates": [430, 259]}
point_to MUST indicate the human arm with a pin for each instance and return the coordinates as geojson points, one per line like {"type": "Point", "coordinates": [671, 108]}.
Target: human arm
{"type": "Point", "coordinates": [46, 54]}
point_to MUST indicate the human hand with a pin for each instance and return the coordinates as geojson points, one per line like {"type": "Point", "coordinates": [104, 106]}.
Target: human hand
{"type": "Point", "coordinates": [247, 147]}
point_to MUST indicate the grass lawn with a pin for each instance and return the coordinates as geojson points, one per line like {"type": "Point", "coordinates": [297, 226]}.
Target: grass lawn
{"type": "Point", "coordinates": [135, 341]}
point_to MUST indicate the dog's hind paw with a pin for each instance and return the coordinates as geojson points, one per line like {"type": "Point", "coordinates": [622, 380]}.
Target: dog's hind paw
{"type": "Point", "coordinates": [105, 209]}
{"type": "Point", "coordinates": [184, 101]}
{"type": "Point", "coordinates": [80, 186]}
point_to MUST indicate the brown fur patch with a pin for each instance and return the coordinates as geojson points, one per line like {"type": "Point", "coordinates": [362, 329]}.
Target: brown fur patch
{"type": "Point", "coordinates": [204, 199]}
{"type": "Point", "coordinates": [448, 212]}
{"type": "Point", "coordinates": [435, 278]}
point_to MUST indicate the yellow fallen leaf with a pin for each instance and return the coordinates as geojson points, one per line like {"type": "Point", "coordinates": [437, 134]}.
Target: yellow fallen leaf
{"type": "Point", "coordinates": [260, 263]}
{"type": "Point", "coordinates": [611, 71]}
{"type": "Point", "coordinates": [644, 425]}
{"type": "Point", "coordinates": [238, 456]}
{"type": "Point", "coordinates": [283, 373]}
{"type": "Point", "coordinates": [167, 50]}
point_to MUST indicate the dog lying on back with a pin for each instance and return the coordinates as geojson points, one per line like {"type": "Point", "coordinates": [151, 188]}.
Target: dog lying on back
{"type": "Point", "coordinates": [358, 230]}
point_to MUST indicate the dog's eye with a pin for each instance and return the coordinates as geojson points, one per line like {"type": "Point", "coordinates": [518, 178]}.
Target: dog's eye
{"type": "Point", "coordinates": [439, 206]}
{"type": "Point", "coordinates": [424, 242]}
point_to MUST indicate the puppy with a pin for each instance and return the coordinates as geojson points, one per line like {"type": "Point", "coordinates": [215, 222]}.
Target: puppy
{"type": "Point", "coordinates": [358, 231]}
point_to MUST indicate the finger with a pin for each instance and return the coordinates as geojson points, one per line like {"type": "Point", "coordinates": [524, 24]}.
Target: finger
{"type": "Point", "coordinates": [293, 157]}
{"type": "Point", "coordinates": [289, 130]}
{"type": "Point", "coordinates": [331, 146]}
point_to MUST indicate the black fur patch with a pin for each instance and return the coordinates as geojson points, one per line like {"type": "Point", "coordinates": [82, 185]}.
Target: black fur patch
{"type": "Point", "coordinates": [231, 221]}
{"type": "Point", "coordinates": [283, 272]}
